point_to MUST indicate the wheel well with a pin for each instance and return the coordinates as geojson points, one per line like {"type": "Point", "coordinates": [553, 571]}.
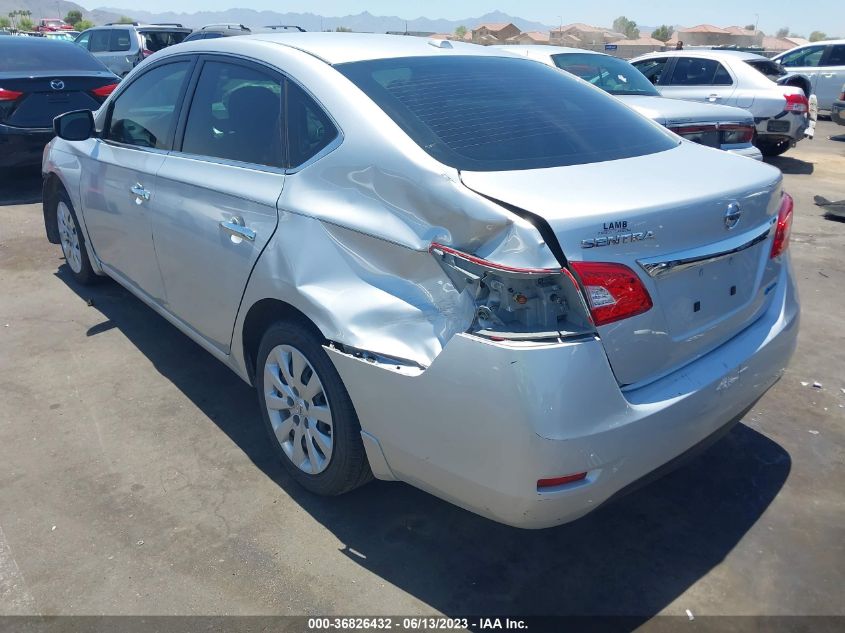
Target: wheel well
{"type": "Point", "coordinates": [49, 192]}
{"type": "Point", "coordinates": [261, 316]}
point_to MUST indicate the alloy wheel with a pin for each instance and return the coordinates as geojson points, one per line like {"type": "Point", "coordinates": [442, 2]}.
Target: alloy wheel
{"type": "Point", "coordinates": [69, 237]}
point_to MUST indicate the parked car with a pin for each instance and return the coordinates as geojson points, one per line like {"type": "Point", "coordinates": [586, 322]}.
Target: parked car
{"type": "Point", "coordinates": [728, 78]}
{"type": "Point", "coordinates": [213, 31]}
{"type": "Point", "coordinates": [121, 47]}
{"type": "Point", "coordinates": [50, 25]}
{"type": "Point", "coordinates": [521, 304]}
{"type": "Point", "coordinates": [823, 64]}
{"type": "Point", "coordinates": [40, 79]}
{"type": "Point", "coordinates": [718, 126]}
{"type": "Point", "coordinates": [67, 36]}
{"type": "Point", "coordinates": [837, 111]}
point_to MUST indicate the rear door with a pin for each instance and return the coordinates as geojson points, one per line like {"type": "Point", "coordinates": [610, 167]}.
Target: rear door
{"type": "Point", "coordinates": [122, 58]}
{"type": "Point", "coordinates": [118, 177]}
{"type": "Point", "coordinates": [216, 197]}
{"type": "Point", "coordinates": [700, 79]}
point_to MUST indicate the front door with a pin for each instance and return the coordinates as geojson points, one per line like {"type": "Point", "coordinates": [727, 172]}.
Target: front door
{"type": "Point", "coordinates": [831, 76]}
{"type": "Point", "coordinates": [119, 180]}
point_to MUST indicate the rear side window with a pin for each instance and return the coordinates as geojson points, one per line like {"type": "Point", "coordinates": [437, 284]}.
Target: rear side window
{"type": "Point", "coordinates": [769, 68]}
{"type": "Point", "coordinates": [119, 40]}
{"type": "Point", "coordinates": [157, 40]}
{"type": "Point", "coordinates": [41, 54]}
{"type": "Point", "coordinates": [236, 114]}
{"type": "Point", "coordinates": [309, 128]}
{"type": "Point", "coordinates": [99, 41]}
{"type": "Point", "coordinates": [614, 75]}
{"type": "Point", "coordinates": [144, 114]}
{"type": "Point", "coordinates": [497, 113]}
{"type": "Point", "coordinates": [695, 71]}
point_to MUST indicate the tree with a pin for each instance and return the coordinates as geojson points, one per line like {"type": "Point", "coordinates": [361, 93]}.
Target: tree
{"type": "Point", "coordinates": [750, 27]}
{"type": "Point", "coordinates": [125, 19]}
{"type": "Point", "coordinates": [626, 26]}
{"type": "Point", "coordinates": [460, 32]}
{"type": "Point", "coordinates": [25, 24]}
{"type": "Point", "coordinates": [782, 32]}
{"type": "Point", "coordinates": [5, 23]}
{"type": "Point", "coordinates": [343, 29]}
{"type": "Point", "coordinates": [663, 33]}
{"type": "Point", "coordinates": [83, 25]}
{"type": "Point", "coordinates": [73, 17]}
{"type": "Point", "coordinates": [817, 36]}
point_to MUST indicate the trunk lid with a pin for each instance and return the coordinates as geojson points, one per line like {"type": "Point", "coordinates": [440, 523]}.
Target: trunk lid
{"type": "Point", "coordinates": [47, 96]}
{"type": "Point", "coordinates": [663, 215]}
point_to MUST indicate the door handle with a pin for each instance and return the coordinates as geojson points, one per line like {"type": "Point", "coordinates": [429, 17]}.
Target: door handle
{"type": "Point", "coordinates": [828, 75]}
{"type": "Point", "coordinates": [139, 192]}
{"type": "Point", "coordinates": [713, 97]}
{"type": "Point", "coordinates": [235, 227]}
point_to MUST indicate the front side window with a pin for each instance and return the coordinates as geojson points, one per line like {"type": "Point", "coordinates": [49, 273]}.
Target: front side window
{"type": "Point", "coordinates": [652, 68]}
{"type": "Point", "coordinates": [501, 113]}
{"type": "Point", "coordinates": [119, 40]}
{"type": "Point", "coordinates": [144, 114]}
{"type": "Point", "coordinates": [695, 71]}
{"type": "Point", "coordinates": [82, 39]}
{"type": "Point", "coordinates": [809, 56]}
{"type": "Point", "coordinates": [236, 114]}
{"type": "Point", "coordinates": [99, 41]}
{"type": "Point", "coordinates": [612, 75]}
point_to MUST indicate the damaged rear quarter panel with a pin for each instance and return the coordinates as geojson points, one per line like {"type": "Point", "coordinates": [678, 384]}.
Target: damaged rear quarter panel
{"type": "Point", "coordinates": [351, 247]}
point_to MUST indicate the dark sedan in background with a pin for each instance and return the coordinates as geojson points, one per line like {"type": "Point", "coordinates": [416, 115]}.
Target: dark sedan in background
{"type": "Point", "coordinates": [39, 80]}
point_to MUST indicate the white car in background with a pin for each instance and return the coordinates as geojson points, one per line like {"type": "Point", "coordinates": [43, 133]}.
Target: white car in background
{"type": "Point", "coordinates": [718, 126]}
{"type": "Point", "coordinates": [732, 78]}
{"type": "Point", "coordinates": [822, 64]}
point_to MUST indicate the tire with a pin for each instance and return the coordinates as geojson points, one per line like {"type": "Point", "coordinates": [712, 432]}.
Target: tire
{"type": "Point", "coordinates": [72, 241]}
{"type": "Point", "coordinates": [312, 426]}
{"type": "Point", "coordinates": [773, 149]}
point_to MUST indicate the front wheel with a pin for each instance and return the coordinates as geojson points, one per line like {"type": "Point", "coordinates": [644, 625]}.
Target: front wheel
{"type": "Point", "coordinates": [73, 242]}
{"type": "Point", "coordinates": [308, 413]}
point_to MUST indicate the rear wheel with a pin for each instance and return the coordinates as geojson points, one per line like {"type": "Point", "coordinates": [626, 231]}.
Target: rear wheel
{"type": "Point", "coordinates": [308, 413]}
{"type": "Point", "coordinates": [73, 242]}
{"type": "Point", "coordinates": [775, 148]}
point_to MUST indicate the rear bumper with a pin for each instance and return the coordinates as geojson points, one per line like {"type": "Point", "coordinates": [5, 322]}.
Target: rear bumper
{"type": "Point", "coordinates": [22, 147]}
{"type": "Point", "coordinates": [786, 125]}
{"type": "Point", "coordinates": [837, 112]}
{"type": "Point", "coordinates": [486, 420]}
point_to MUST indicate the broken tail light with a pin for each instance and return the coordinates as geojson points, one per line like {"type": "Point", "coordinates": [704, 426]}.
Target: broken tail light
{"type": "Point", "coordinates": [104, 91]}
{"type": "Point", "coordinates": [513, 303]}
{"type": "Point", "coordinates": [614, 291]}
{"type": "Point", "coordinates": [796, 103]}
{"type": "Point", "coordinates": [8, 101]}
{"type": "Point", "coordinates": [784, 226]}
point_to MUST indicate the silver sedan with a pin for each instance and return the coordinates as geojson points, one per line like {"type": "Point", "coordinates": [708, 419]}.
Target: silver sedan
{"type": "Point", "coordinates": [488, 298]}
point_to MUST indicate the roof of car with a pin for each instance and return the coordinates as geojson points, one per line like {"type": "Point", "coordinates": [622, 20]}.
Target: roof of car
{"type": "Point", "coordinates": [339, 48]}
{"type": "Point", "coordinates": [547, 50]}
{"type": "Point", "coordinates": [705, 52]}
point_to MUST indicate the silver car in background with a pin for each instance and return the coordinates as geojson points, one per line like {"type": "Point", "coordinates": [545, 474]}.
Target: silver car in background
{"type": "Point", "coordinates": [121, 47]}
{"type": "Point", "coordinates": [522, 305]}
{"type": "Point", "coordinates": [823, 64]}
{"type": "Point", "coordinates": [731, 78]}
{"type": "Point", "coordinates": [718, 126]}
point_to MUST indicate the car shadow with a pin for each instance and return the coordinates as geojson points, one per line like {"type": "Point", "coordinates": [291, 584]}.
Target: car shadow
{"type": "Point", "coordinates": [20, 186]}
{"type": "Point", "coordinates": [632, 557]}
{"type": "Point", "coordinates": [789, 165]}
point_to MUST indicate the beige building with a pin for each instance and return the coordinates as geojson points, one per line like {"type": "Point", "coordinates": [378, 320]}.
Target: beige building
{"type": "Point", "coordinates": [583, 35]}
{"type": "Point", "coordinates": [745, 37]}
{"type": "Point", "coordinates": [626, 49]}
{"type": "Point", "coordinates": [494, 33]}
{"type": "Point", "coordinates": [529, 38]}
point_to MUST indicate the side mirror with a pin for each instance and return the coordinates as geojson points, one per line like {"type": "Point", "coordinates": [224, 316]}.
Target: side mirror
{"type": "Point", "coordinates": [74, 126]}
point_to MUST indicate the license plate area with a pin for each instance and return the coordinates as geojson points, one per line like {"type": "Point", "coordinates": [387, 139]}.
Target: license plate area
{"type": "Point", "coordinates": [711, 294]}
{"type": "Point", "coordinates": [708, 139]}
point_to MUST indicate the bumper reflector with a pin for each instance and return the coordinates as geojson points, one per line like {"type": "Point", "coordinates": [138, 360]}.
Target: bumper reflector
{"type": "Point", "coordinates": [560, 481]}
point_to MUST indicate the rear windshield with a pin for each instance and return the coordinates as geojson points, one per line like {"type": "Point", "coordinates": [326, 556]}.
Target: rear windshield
{"type": "Point", "coordinates": [157, 40]}
{"type": "Point", "coordinates": [37, 54]}
{"type": "Point", "coordinates": [613, 75]}
{"type": "Point", "coordinates": [496, 113]}
{"type": "Point", "coordinates": [772, 70]}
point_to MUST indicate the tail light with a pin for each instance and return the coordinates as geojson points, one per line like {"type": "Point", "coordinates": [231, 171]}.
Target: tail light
{"type": "Point", "coordinates": [513, 303]}
{"type": "Point", "coordinates": [9, 95]}
{"type": "Point", "coordinates": [736, 134]}
{"type": "Point", "coordinates": [784, 226]}
{"type": "Point", "coordinates": [797, 103]}
{"type": "Point", "coordinates": [842, 96]}
{"type": "Point", "coordinates": [145, 52]}
{"type": "Point", "coordinates": [104, 91]}
{"type": "Point", "coordinates": [614, 292]}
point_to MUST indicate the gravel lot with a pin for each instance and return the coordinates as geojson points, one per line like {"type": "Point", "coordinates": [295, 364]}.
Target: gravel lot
{"type": "Point", "coordinates": [135, 479]}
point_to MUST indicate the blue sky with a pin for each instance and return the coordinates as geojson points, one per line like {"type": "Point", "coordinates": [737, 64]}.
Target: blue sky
{"type": "Point", "coordinates": [826, 15]}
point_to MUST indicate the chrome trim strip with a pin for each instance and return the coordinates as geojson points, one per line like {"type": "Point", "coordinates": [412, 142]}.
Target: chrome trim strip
{"type": "Point", "coordinates": [658, 267]}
